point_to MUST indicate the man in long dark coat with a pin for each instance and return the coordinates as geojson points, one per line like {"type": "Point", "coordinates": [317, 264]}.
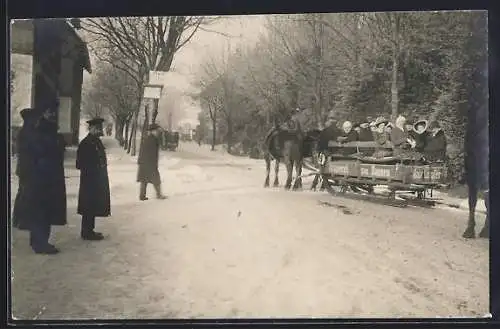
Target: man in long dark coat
{"type": "Point", "coordinates": [44, 184]}
{"type": "Point", "coordinates": [23, 169]}
{"type": "Point", "coordinates": [94, 197]}
{"type": "Point", "coordinates": [148, 163]}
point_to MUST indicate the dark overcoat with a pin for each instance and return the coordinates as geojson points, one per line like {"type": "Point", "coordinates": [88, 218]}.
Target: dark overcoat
{"type": "Point", "coordinates": [421, 141]}
{"type": "Point", "coordinates": [24, 167]}
{"type": "Point", "coordinates": [435, 146]}
{"type": "Point", "coordinates": [330, 133]}
{"type": "Point", "coordinates": [148, 161]}
{"type": "Point", "coordinates": [44, 188]}
{"type": "Point", "coordinates": [351, 136]}
{"type": "Point", "coordinates": [94, 197]}
{"type": "Point", "coordinates": [365, 135]}
{"type": "Point", "coordinates": [399, 139]}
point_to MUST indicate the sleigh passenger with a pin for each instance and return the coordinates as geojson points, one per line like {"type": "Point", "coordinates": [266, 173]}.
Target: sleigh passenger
{"type": "Point", "coordinates": [399, 137]}
{"type": "Point", "coordinates": [348, 134]}
{"type": "Point", "coordinates": [419, 135]}
{"type": "Point", "coordinates": [435, 144]}
{"type": "Point", "coordinates": [364, 132]}
{"type": "Point", "coordinates": [381, 138]}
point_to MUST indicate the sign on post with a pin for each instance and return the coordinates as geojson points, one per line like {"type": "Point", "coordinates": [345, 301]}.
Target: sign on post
{"type": "Point", "coordinates": [157, 77]}
{"type": "Point", "coordinates": [153, 91]}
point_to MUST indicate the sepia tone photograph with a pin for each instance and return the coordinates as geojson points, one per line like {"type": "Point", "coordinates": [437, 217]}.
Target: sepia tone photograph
{"type": "Point", "coordinates": [319, 165]}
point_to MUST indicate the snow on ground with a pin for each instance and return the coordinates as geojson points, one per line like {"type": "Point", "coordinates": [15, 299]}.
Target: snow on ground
{"type": "Point", "coordinates": [223, 246]}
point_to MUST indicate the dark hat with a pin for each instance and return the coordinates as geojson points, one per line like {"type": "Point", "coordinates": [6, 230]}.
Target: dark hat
{"type": "Point", "coordinates": [434, 125]}
{"type": "Point", "coordinates": [153, 126]}
{"type": "Point", "coordinates": [28, 113]}
{"type": "Point", "coordinates": [380, 120]}
{"type": "Point", "coordinates": [95, 122]}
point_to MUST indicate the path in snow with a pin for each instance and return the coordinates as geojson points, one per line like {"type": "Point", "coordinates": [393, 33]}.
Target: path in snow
{"type": "Point", "coordinates": [223, 246]}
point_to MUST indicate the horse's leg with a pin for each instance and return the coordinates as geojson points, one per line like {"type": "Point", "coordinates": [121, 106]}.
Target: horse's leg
{"type": "Point", "coordinates": [268, 169]}
{"type": "Point", "coordinates": [289, 170]}
{"type": "Point", "coordinates": [471, 224]}
{"type": "Point", "coordinates": [298, 172]}
{"type": "Point", "coordinates": [315, 182]}
{"type": "Point", "coordinates": [276, 172]}
{"type": "Point", "coordinates": [485, 232]}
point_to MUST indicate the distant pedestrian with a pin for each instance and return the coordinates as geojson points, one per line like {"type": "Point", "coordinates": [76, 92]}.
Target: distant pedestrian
{"type": "Point", "coordinates": [44, 183]}
{"type": "Point", "coordinates": [148, 163]}
{"type": "Point", "coordinates": [94, 196]}
{"type": "Point", "coordinates": [24, 164]}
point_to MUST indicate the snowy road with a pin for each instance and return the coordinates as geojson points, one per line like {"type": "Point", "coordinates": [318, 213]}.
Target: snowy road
{"type": "Point", "coordinates": [223, 246]}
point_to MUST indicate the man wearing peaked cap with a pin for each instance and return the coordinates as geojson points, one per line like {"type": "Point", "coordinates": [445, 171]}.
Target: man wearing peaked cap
{"type": "Point", "coordinates": [148, 159]}
{"type": "Point", "coordinates": [94, 198]}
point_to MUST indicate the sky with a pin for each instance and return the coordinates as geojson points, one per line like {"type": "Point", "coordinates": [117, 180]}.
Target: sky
{"type": "Point", "coordinates": [241, 30]}
{"type": "Point", "coordinates": [233, 30]}
{"type": "Point", "coordinates": [205, 45]}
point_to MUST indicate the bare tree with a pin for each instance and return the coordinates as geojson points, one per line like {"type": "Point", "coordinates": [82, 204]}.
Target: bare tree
{"type": "Point", "coordinates": [143, 43]}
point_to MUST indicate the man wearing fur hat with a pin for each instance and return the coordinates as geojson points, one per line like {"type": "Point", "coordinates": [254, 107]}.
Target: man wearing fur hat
{"type": "Point", "coordinates": [23, 168]}
{"type": "Point", "coordinates": [44, 186]}
{"type": "Point", "coordinates": [148, 172]}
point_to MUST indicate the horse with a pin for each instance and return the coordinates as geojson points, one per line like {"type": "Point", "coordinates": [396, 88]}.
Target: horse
{"type": "Point", "coordinates": [476, 145]}
{"type": "Point", "coordinates": [287, 146]}
{"type": "Point", "coordinates": [476, 168]}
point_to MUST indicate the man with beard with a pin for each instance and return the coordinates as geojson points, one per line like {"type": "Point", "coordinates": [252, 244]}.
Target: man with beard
{"type": "Point", "coordinates": [45, 185]}
{"type": "Point", "coordinates": [148, 163]}
{"type": "Point", "coordinates": [93, 197]}
{"type": "Point", "coordinates": [23, 169]}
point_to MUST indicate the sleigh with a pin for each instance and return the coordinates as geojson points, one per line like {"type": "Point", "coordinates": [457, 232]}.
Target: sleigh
{"type": "Point", "coordinates": [350, 170]}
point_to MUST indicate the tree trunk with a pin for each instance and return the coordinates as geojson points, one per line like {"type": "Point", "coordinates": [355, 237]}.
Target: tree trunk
{"type": "Point", "coordinates": [145, 125]}
{"type": "Point", "coordinates": [129, 140]}
{"type": "Point", "coordinates": [155, 111]}
{"type": "Point", "coordinates": [214, 133]}
{"type": "Point", "coordinates": [395, 68]}
{"type": "Point", "coordinates": [134, 135]}
{"type": "Point", "coordinates": [127, 130]}
{"type": "Point", "coordinates": [119, 122]}
{"type": "Point", "coordinates": [229, 135]}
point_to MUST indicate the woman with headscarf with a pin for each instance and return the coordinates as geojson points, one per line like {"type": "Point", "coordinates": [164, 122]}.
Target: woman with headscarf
{"type": "Point", "coordinates": [399, 136]}
{"type": "Point", "coordinates": [348, 134]}
{"type": "Point", "coordinates": [420, 135]}
{"type": "Point", "coordinates": [435, 145]}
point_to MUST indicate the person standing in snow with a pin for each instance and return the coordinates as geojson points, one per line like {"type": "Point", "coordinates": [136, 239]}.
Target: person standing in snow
{"type": "Point", "coordinates": [148, 163]}
{"type": "Point", "coordinates": [24, 163]}
{"type": "Point", "coordinates": [94, 198]}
